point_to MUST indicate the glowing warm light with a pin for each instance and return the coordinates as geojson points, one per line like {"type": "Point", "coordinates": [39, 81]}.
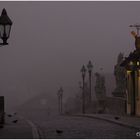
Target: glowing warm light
{"type": "Point", "coordinates": [131, 63]}
{"type": "Point", "coordinates": [128, 71]}
{"type": "Point", "coordinates": [133, 34]}
{"type": "Point", "coordinates": [138, 63]}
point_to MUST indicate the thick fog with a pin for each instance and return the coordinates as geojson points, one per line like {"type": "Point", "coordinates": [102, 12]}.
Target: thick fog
{"type": "Point", "coordinates": [50, 41]}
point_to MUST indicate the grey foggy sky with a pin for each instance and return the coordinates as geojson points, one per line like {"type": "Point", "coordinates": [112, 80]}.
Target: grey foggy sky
{"type": "Point", "coordinates": [50, 41]}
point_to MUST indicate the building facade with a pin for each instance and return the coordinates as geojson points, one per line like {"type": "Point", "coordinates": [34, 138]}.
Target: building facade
{"type": "Point", "coordinates": [132, 67]}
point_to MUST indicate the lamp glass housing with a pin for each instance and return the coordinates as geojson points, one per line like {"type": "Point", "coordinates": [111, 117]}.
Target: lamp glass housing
{"type": "Point", "coordinates": [5, 26]}
{"type": "Point", "coordinates": [89, 66]}
{"type": "Point", "coordinates": [83, 70]}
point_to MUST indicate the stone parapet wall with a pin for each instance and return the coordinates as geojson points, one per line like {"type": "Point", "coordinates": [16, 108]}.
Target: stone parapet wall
{"type": "Point", "coordinates": [116, 105]}
{"type": "Point", "coordinates": [113, 105]}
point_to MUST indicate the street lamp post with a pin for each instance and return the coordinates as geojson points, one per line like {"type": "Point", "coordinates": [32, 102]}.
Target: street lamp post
{"type": "Point", "coordinates": [90, 66]}
{"type": "Point", "coordinates": [83, 71]}
{"type": "Point", "coordinates": [5, 27]}
{"type": "Point", "coordinates": [60, 99]}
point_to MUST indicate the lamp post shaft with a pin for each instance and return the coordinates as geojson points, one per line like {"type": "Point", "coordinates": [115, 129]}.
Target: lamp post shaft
{"type": "Point", "coordinates": [60, 104]}
{"type": "Point", "coordinates": [90, 96]}
{"type": "Point", "coordinates": [83, 105]}
{"type": "Point", "coordinates": [60, 100]}
{"type": "Point", "coordinates": [90, 67]}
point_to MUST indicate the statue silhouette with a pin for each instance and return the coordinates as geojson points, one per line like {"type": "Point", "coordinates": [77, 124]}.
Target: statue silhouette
{"type": "Point", "coordinates": [119, 73]}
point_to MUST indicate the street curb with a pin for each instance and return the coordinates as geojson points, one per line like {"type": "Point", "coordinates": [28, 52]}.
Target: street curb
{"type": "Point", "coordinates": [109, 120]}
{"type": "Point", "coordinates": [35, 131]}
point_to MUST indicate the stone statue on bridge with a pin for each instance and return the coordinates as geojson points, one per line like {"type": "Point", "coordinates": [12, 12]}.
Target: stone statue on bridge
{"type": "Point", "coordinates": [120, 78]}
{"type": "Point", "coordinates": [100, 91]}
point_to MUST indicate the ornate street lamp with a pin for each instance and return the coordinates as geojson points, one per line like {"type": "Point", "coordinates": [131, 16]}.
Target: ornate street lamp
{"type": "Point", "coordinates": [5, 27]}
{"type": "Point", "coordinates": [90, 67]}
{"type": "Point", "coordinates": [83, 71]}
{"type": "Point", "coordinates": [60, 96]}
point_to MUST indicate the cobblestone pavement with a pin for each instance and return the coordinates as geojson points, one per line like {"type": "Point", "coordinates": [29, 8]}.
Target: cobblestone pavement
{"type": "Point", "coordinates": [79, 127]}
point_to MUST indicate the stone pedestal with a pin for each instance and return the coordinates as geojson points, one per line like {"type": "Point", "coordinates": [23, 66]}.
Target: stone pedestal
{"type": "Point", "coordinates": [118, 94]}
{"type": "Point", "coordinates": [101, 106]}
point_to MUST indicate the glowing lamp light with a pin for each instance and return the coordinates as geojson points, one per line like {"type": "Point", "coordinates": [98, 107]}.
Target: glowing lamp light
{"type": "Point", "coordinates": [138, 63]}
{"type": "Point", "coordinates": [131, 63]}
{"type": "Point", "coordinates": [128, 71]}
